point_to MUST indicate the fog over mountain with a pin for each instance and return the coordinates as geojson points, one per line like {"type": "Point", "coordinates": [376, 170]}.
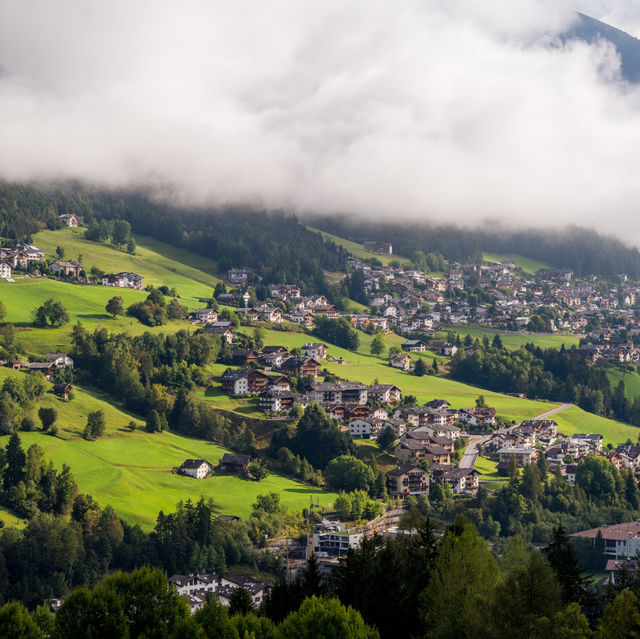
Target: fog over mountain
{"type": "Point", "coordinates": [426, 109]}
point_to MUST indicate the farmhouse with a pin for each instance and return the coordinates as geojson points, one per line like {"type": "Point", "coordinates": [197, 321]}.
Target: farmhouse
{"type": "Point", "coordinates": [413, 345]}
{"type": "Point", "coordinates": [243, 357]}
{"type": "Point", "coordinates": [69, 268]}
{"type": "Point", "coordinates": [5, 270]}
{"type": "Point", "coordinates": [123, 280]}
{"type": "Point", "coordinates": [30, 252]}
{"type": "Point", "coordinates": [338, 392]}
{"type": "Point", "coordinates": [385, 393]}
{"type": "Point", "coordinates": [302, 365]}
{"type": "Point", "coordinates": [400, 361]}
{"type": "Point", "coordinates": [62, 390]}
{"type": "Point", "coordinates": [204, 315]}
{"type": "Point", "coordinates": [317, 351]}
{"type": "Point", "coordinates": [198, 468]}
{"type": "Point", "coordinates": [245, 382]}
{"type": "Point", "coordinates": [226, 330]}
{"type": "Point", "coordinates": [407, 479]}
{"type": "Point", "coordinates": [235, 464]}
{"type": "Point", "coordinates": [60, 359]}
{"type": "Point", "coordinates": [71, 219]}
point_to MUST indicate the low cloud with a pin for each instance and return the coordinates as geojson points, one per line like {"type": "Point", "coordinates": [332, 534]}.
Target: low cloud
{"type": "Point", "coordinates": [424, 109]}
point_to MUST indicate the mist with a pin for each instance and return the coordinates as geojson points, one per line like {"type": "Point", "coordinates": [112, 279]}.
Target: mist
{"type": "Point", "coordinates": [458, 111]}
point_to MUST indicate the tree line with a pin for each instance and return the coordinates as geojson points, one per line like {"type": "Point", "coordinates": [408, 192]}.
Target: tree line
{"type": "Point", "coordinates": [558, 375]}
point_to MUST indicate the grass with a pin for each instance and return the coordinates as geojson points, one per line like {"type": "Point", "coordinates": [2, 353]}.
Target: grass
{"type": "Point", "coordinates": [159, 263]}
{"type": "Point", "coordinates": [516, 340]}
{"type": "Point", "coordinates": [83, 303]}
{"type": "Point", "coordinates": [631, 381]}
{"type": "Point", "coordinates": [488, 469]}
{"type": "Point", "coordinates": [135, 473]}
{"type": "Point", "coordinates": [358, 250]}
{"type": "Point", "coordinates": [575, 420]}
{"type": "Point", "coordinates": [527, 264]}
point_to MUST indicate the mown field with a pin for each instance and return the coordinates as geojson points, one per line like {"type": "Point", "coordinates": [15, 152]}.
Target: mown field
{"type": "Point", "coordinates": [516, 340]}
{"type": "Point", "coordinates": [358, 250]}
{"type": "Point", "coordinates": [83, 303]}
{"type": "Point", "coordinates": [134, 471]}
{"type": "Point", "coordinates": [631, 381]}
{"type": "Point", "coordinates": [160, 264]}
{"type": "Point", "coordinates": [527, 264]}
{"type": "Point", "coordinates": [575, 420]}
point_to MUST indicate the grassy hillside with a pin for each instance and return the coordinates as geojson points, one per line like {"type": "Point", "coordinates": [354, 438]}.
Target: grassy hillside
{"type": "Point", "coordinates": [575, 420]}
{"type": "Point", "coordinates": [358, 250]}
{"type": "Point", "coordinates": [527, 264]}
{"type": "Point", "coordinates": [83, 303]}
{"type": "Point", "coordinates": [631, 381]}
{"type": "Point", "coordinates": [515, 340]}
{"type": "Point", "coordinates": [134, 471]}
{"type": "Point", "coordinates": [159, 263]}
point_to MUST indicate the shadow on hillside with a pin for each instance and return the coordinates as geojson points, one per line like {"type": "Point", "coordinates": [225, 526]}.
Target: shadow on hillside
{"type": "Point", "coordinates": [96, 316]}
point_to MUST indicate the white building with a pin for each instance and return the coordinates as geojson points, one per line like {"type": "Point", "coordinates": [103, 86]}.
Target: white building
{"type": "Point", "coordinates": [198, 468]}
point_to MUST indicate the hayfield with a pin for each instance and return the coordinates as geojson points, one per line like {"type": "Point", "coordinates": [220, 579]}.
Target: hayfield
{"type": "Point", "coordinates": [575, 420]}
{"type": "Point", "coordinates": [160, 264]}
{"type": "Point", "coordinates": [83, 303]}
{"type": "Point", "coordinates": [527, 264]}
{"type": "Point", "coordinates": [358, 250]}
{"type": "Point", "coordinates": [516, 340]}
{"type": "Point", "coordinates": [135, 473]}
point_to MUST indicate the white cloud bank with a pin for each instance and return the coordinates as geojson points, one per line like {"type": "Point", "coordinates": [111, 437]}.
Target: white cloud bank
{"type": "Point", "coordinates": [425, 109]}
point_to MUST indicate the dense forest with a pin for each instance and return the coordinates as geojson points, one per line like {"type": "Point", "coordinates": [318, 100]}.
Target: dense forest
{"type": "Point", "coordinates": [582, 250]}
{"type": "Point", "coordinates": [275, 245]}
{"type": "Point", "coordinates": [425, 585]}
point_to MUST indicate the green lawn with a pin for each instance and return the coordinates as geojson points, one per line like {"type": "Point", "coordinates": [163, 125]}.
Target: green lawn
{"type": "Point", "coordinates": [575, 420]}
{"type": "Point", "coordinates": [487, 469]}
{"type": "Point", "coordinates": [631, 381]}
{"type": "Point", "coordinates": [358, 250]}
{"type": "Point", "coordinates": [83, 303]}
{"type": "Point", "coordinates": [516, 340]}
{"type": "Point", "coordinates": [134, 472]}
{"type": "Point", "coordinates": [527, 264]}
{"type": "Point", "coordinates": [159, 263]}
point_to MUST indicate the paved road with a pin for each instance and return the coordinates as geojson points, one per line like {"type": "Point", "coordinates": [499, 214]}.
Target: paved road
{"type": "Point", "coordinates": [553, 411]}
{"type": "Point", "coordinates": [471, 453]}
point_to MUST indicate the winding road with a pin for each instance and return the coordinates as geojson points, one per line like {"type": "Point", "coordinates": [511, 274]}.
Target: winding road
{"type": "Point", "coordinates": [471, 453]}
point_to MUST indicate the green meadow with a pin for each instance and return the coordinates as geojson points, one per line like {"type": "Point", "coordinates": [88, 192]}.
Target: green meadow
{"type": "Point", "coordinates": [358, 250]}
{"type": "Point", "coordinates": [527, 264]}
{"type": "Point", "coordinates": [160, 264]}
{"type": "Point", "coordinates": [575, 420]}
{"type": "Point", "coordinates": [134, 471]}
{"type": "Point", "coordinates": [631, 381]}
{"type": "Point", "coordinates": [516, 340]}
{"type": "Point", "coordinates": [83, 303]}
{"type": "Point", "coordinates": [136, 474]}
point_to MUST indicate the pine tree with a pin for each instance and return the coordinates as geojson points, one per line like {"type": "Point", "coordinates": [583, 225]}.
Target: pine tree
{"type": "Point", "coordinates": [16, 460]}
{"type": "Point", "coordinates": [562, 557]}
